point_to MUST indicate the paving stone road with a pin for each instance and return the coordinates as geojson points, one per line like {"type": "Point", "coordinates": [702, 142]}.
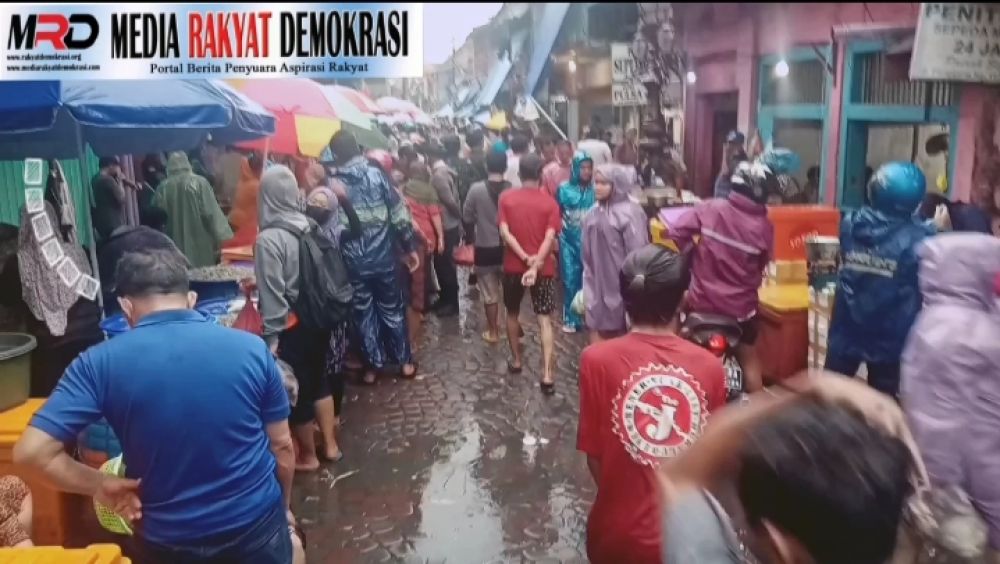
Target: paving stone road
{"type": "Point", "coordinates": [466, 464]}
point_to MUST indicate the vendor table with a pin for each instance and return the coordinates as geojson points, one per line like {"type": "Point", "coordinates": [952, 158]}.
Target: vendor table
{"type": "Point", "coordinates": [54, 511]}
{"type": "Point", "coordinates": [783, 331]}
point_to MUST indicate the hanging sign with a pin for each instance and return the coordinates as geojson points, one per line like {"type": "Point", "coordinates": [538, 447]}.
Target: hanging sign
{"type": "Point", "coordinates": [957, 42]}
{"type": "Point", "coordinates": [626, 88]}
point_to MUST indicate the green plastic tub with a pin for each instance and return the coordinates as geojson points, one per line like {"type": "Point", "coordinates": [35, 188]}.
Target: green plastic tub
{"type": "Point", "coordinates": [15, 368]}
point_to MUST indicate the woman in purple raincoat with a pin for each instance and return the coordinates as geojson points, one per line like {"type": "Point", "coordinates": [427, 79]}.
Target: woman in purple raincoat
{"type": "Point", "coordinates": [951, 370]}
{"type": "Point", "coordinates": [611, 230]}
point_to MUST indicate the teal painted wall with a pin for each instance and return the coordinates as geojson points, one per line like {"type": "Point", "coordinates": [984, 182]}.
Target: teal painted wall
{"type": "Point", "coordinates": [12, 191]}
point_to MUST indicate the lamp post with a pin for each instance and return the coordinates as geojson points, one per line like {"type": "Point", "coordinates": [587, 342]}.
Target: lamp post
{"type": "Point", "coordinates": [659, 62]}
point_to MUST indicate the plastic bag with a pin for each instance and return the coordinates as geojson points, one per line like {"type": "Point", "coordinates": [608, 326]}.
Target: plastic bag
{"type": "Point", "coordinates": [465, 255]}
{"type": "Point", "coordinates": [249, 319]}
{"type": "Point", "coordinates": [290, 382]}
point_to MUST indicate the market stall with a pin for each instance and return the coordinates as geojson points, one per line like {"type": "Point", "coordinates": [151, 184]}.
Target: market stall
{"type": "Point", "coordinates": [111, 118]}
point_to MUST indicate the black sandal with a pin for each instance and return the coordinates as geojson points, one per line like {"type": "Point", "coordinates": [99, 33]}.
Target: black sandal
{"type": "Point", "coordinates": [548, 388]}
{"type": "Point", "coordinates": [514, 369]}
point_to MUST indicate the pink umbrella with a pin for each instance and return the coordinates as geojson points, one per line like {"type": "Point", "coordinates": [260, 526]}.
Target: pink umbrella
{"type": "Point", "coordinates": [359, 99]}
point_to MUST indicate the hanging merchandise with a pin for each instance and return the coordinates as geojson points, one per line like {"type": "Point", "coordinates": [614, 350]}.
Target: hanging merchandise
{"type": "Point", "coordinates": [34, 200]}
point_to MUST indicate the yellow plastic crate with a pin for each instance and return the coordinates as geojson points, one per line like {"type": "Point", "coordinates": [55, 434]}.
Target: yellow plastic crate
{"type": "Point", "coordinates": [96, 554]}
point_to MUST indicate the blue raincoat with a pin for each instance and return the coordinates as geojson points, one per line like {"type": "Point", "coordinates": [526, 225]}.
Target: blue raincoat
{"type": "Point", "coordinates": [575, 200]}
{"type": "Point", "coordinates": [877, 297]}
{"type": "Point", "coordinates": [372, 261]}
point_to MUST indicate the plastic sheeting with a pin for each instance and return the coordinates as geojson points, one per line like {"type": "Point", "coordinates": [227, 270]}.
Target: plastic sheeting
{"type": "Point", "coordinates": [544, 34]}
{"type": "Point", "coordinates": [498, 75]}
{"type": "Point", "coordinates": [117, 117]}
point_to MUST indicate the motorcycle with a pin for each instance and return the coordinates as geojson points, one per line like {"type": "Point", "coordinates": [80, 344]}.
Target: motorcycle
{"type": "Point", "coordinates": [721, 336]}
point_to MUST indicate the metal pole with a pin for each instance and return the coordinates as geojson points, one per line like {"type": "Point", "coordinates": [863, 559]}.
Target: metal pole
{"type": "Point", "coordinates": [546, 115]}
{"type": "Point", "coordinates": [82, 163]}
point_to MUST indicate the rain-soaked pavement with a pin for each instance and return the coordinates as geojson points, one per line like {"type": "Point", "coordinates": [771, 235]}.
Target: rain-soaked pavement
{"type": "Point", "coordinates": [466, 464]}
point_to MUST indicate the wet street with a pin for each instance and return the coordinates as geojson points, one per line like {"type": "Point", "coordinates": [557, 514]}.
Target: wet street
{"type": "Point", "coordinates": [466, 464]}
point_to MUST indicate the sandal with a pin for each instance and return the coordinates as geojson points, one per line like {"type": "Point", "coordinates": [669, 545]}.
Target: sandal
{"type": "Point", "coordinates": [412, 375]}
{"type": "Point", "coordinates": [490, 340]}
{"type": "Point", "coordinates": [513, 369]}
{"type": "Point", "coordinates": [548, 388]}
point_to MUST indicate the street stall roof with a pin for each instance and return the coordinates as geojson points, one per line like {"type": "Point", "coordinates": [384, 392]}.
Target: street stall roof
{"type": "Point", "coordinates": [136, 117]}
{"type": "Point", "coordinates": [500, 71]}
{"type": "Point", "coordinates": [545, 32]}
{"type": "Point", "coordinates": [28, 105]}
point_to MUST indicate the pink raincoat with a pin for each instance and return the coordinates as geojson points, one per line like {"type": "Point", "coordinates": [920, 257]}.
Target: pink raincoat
{"type": "Point", "coordinates": [611, 230]}
{"type": "Point", "coordinates": [951, 369]}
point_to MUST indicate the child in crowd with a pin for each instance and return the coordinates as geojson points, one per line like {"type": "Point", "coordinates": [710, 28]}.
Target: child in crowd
{"type": "Point", "coordinates": [877, 296]}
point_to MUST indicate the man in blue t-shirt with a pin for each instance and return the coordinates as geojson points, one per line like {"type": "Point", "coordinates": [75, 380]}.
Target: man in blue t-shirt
{"type": "Point", "coordinates": [202, 416]}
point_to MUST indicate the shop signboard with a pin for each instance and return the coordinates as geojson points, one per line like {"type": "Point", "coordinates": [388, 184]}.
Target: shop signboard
{"type": "Point", "coordinates": [626, 88]}
{"type": "Point", "coordinates": [627, 94]}
{"type": "Point", "coordinates": [957, 42]}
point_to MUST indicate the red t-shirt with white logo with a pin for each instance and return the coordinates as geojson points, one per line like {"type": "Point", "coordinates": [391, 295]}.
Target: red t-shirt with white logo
{"type": "Point", "coordinates": [643, 398]}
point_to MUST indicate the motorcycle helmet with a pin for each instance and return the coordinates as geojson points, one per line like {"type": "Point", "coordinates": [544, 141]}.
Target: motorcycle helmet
{"type": "Point", "coordinates": [755, 180]}
{"type": "Point", "coordinates": [897, 189]}
{"type": "Point", "coordinates": [382, 158]}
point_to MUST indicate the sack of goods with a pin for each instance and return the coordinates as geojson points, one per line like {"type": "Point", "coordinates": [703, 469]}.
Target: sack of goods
{"type": "Point", "coordinates": [820, 310]}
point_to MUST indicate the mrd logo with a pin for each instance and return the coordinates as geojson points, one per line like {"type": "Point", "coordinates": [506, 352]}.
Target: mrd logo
{"type": "Point", "coordinates": [78, 31]}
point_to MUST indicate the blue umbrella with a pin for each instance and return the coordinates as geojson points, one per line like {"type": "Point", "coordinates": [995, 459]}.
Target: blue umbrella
{"type": "Point", "coordinates": [118, 117]}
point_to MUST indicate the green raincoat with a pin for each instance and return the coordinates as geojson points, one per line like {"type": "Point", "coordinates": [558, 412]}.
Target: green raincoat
{"type": "Point", "coordinates": [194, 219]}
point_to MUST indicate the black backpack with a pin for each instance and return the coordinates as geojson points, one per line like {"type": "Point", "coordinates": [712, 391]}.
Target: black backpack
{"type": "Point", "coordinates": [325, 291]}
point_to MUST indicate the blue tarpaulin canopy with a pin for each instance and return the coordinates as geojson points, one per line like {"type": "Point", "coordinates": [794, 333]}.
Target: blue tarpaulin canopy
{"type": "Point", "coordinates": [500, 71]}
{"type": "Point", "coordinates": [544, 35]}
{"type": "Point", "coordinates": [118, 117]}
{"type": "Point", "coordinates": [28, 105]}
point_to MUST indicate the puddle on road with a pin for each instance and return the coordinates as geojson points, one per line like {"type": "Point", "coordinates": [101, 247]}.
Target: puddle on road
{"type": "Point", "coordinates": [459, 521]}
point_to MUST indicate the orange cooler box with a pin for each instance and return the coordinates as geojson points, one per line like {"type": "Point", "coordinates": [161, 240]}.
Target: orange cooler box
{"type": "Point", "coordinates": [794, 224]}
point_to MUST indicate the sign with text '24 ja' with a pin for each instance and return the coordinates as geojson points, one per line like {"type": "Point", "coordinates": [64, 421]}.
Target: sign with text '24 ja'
{"type": "Point", "coordinates": [129, 41]}
{"type": "Point", "coordinates": [957, 41]}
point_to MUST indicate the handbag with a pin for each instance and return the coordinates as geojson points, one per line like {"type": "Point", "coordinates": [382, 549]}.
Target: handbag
{"type": "Point", "coordinates": [249, 318]}
{"type": "Point", "coordinates": [465, 255]}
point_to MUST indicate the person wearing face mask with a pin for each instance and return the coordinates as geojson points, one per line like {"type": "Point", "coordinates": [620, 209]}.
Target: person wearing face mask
{"type": "Point", "coordinates": [202, 415]}
{"type": "Point", "coordinates": [321, 207]}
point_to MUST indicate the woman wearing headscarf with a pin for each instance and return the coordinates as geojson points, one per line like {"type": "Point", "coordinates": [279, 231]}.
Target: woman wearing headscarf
{"type": "Point", "coordinates": [276, 255]}
{"type": "Point", "coordinates": [575, 198]}
{"type": "Point", "coordinates": [322, 207]}
{"type": "Point", "coordinates": [425, 208]}
{"type": "Point", "coordinates": [950, 384]}
{"type": "Point", "coordinates": [611, 230]}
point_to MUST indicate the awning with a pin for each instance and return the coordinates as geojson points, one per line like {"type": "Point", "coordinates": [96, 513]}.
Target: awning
{"type": "Point", "coordinates": [545, 32]}
{"type": "Point", "coordinates": [500, 71]}
{"type": "Point", "coordinates": [28, 105]}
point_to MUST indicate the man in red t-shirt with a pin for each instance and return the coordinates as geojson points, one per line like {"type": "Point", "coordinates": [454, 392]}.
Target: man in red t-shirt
{"type": "Point", "coordinates": [644, 397]}
{"type": "Point", "coordinates": [529, 221]}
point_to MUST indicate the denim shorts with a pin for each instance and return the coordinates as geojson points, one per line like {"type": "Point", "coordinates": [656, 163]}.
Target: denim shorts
{"type": "Point", "coordinates": [265, 542]}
